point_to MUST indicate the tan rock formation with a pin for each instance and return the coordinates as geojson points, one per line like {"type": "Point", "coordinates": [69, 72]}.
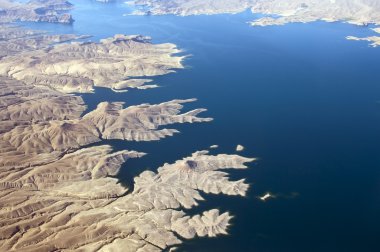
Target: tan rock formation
{"type": "Point", "coordinates": [77, 67]}
{"type": "Point", "coordinates": [73, 204]}
{"type": "Point", "coordinates": [59, 194]}
{"type": "Point", "coordinates": [278, 12]}
{"type": "Point", "coordinates": [15, 39]}
{"type": "Point", "coordinates": [54, 11]}
{"type": "Point", "coordinates": [374, 40]}
{"type": "Point", "coordinates": [351, 11]}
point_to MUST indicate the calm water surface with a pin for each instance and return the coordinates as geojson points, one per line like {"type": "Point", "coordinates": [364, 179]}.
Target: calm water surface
{"type": "Point", "coordinates": [301, 98]}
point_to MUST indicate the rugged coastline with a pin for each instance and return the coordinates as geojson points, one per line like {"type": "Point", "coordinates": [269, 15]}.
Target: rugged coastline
{"type": "Point", "coordinates": [53, 11]}
{"type": "Point", "coordinates": [276, 12]}
{"type": "Point", "coordinates": [57, 192]}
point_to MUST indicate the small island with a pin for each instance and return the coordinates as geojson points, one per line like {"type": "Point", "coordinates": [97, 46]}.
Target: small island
{"type": "Point", "coordinates": [58, 188]}
{"type": "Point", "coordinates": [276, 12]}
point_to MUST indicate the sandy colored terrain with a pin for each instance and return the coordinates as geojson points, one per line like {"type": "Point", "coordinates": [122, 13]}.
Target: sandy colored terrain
{"type": "Point", "coordinates": [352, 11]}
{"type": "Point", "coordinates": [374, 40]}
{"type": "Point", "coordinates": [79, 66]}
{"type": "Point", "coordinates": [58, 193]}
{"type": "Point", "coordinates": [54, 11]}
{"type": "Point", "coordinates": [277, 12]}
{"type": "Point", "coordinates": [73, 204]}
{"type": "Point", "coordinates": [14, 39]}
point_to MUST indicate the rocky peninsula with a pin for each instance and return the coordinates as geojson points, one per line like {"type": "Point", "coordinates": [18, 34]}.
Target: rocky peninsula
{"type": "Point", "coordinates": [59, 190]}
{"type": "Point", "coordinates": [53, 11]}
{"type": "Point", "coordinates": [276, 12]}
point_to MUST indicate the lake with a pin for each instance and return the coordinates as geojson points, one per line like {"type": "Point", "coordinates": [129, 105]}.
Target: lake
{"type": "Point", "coordinates": [300, 98]}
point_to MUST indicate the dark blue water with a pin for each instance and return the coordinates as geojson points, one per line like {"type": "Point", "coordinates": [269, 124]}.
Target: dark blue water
{"type": "Point", "coordinates": [301, 98]}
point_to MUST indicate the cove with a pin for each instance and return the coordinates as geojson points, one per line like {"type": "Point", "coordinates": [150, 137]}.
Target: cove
{"type": "Point", "coordinates": [300, 97]}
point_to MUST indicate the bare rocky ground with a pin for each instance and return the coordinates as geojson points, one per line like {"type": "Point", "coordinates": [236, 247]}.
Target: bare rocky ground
{"type": "Point", "coordinates": [58, 193]}
{"type": "Point", "coordinates": [53, 11]}
{"type": "Point", "coordinates": [277, 12]}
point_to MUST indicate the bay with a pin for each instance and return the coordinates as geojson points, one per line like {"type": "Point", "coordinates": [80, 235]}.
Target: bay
{"type": "Point", "coordinates": [300, 97]}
